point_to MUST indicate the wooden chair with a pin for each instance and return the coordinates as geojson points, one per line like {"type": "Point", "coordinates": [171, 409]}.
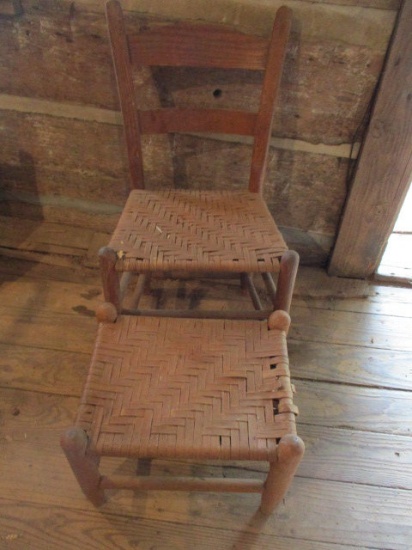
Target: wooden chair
{"type": "Point", "coordinates": [170, 384]}
{"type": "Point", "coordinates": [192, 389]}
{"type": "Point", "coordinates": [202, 231]}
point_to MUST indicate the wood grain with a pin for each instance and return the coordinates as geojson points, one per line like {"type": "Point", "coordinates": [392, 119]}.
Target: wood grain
{"type": "Point", "coordinates": [42, 370]}
{"type": "Point", "coordinates": [356, 456]}
{"type": "Point", "coordinates": [383, 171]}
{"type": "Point", "coordinates": [343, 364]}
{"type": "Point", "coordinates": [353, 408]}
{"type": "Point", "coordinates": [332, 327]}
{"type": "Point", "coordinates": [57, 331]}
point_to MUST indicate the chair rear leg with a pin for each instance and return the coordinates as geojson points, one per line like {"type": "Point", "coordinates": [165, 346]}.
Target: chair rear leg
{"type": "Point", "coordinates": [289, 454]}
{"type": "Point", "coordinates": [110, 277]}
{"type": "Point", "coordinates": [248, 287]}
{"type": "Point", "coordinates": [286, 281]}
{"type": "Point", "coordinates": [74, 443]}
{"type": "Point", "coordinates": [144, 466]}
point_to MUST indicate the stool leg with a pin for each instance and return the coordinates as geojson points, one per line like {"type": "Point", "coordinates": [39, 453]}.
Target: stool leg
{"type": "Point", "coordinates": [74, 443]}
{"type": "Point", "coordinates": [289, 454]}
{"type": "Point", "coordinates": [143, 466]}
{"type": "Point", "coordinates": [289, 264]}
{"type": "Point", "coordinates": [110, 277]}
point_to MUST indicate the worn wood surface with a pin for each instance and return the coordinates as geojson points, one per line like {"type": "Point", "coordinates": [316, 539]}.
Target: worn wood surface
{"type": "Point", "coordinates": [383, 172]}
{"type": "Point", "coordinates": [354, 397]}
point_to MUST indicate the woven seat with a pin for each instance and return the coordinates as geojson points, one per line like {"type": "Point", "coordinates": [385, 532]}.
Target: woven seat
{"type": "Point", "coordinates": [185, 230]}
{"type": "Point", "coordinates": [197, 230]}
{"type": "Point", "coordinates": [188, 389]}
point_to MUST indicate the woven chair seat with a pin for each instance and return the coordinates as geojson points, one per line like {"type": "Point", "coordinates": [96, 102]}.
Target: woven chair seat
{"type": "Point", "coordinates": [197, 230]}
{"type": "Point", "coordinates": [184, 388]}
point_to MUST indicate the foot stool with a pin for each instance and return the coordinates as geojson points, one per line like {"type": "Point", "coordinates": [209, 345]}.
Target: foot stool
{"type": "Point", "coordinates": [162, 387]}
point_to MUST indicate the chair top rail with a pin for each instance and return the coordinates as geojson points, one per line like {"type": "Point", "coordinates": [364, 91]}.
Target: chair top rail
{"type": "Point", "coordinates": [189, 45]}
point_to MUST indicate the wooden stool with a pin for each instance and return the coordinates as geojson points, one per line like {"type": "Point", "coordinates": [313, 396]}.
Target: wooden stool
{"type": "Point", "coordinates": [188, 389]}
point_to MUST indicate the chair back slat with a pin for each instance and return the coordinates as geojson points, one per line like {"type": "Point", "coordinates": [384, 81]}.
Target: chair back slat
{"type": "Point", "coordinates": [163, 121]}
{"type": "Point", "coordinates": [205, 46]}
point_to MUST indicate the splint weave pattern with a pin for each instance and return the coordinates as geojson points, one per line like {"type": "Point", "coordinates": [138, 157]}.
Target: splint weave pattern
{"type": "Point", "coordinates": [197, 230]}
{"type": "Point", "coordinates": [164, 387]}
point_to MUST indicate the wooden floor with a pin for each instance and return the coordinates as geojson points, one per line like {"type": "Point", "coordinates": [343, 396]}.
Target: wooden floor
{"type": "Point", "coordinates": [351, 362]}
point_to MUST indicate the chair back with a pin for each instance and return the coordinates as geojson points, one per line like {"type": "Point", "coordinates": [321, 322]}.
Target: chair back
{"type": "Point", "coordinates": [203, 46]}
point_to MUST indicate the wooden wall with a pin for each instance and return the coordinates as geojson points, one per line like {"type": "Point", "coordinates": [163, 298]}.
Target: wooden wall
{"type": "Point", "coordinates": [62, 155]}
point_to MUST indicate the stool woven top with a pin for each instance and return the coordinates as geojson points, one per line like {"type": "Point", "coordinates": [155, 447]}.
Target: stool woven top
{"type": "Point", "coordinates": [188, 388]}
{"type": "Point", "coordinates": [197, 230]}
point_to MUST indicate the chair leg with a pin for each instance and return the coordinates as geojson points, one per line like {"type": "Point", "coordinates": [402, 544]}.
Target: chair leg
{"type": "Point", "coordinates": [286, 281]}
{"type": "Point", "coordinates": [243, 284]}
{"type": "Point", "coordinates": [74, 443]}
{"type": "Point", "coordinates": [147, 285]}
{"type": "Point", "coordinates": [110, 277]}
{"type": "Point", "coordinates": [144, 466]}
{"type": "Point", "coordinates": [248, 286]}
{"type": "Point", "coordinates": [289, 454]}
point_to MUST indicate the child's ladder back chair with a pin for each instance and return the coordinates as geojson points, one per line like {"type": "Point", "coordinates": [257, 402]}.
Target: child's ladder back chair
{"type": "Point", "coordinates": [200, 231]}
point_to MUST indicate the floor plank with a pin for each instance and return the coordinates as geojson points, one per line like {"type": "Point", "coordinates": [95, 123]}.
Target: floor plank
{"type": "Point", "coordinates": [353, 456]}
{"type": "Point", "coordinates": [52, 296]}
{"type": "Point", "coordinates": [54, 331]}
{"type": "Point", "coordinates": [347, 364]}
{"type": "Point", "coordinates": [352, 407]}
{"type": "Point", "coordinates": [42, 370]}
{"type": "Point", "coordinates": [357, 329]}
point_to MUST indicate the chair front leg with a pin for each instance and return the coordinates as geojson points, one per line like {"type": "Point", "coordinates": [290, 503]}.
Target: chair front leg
{"type": "Point", "coordinates": [289, 454]}
{"type": "Point", "coordinates": [74, 443]}
{"type": "Point", "coordinates": [110, 277]}
{"type": "Point", "coordinates": [286, 281]}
